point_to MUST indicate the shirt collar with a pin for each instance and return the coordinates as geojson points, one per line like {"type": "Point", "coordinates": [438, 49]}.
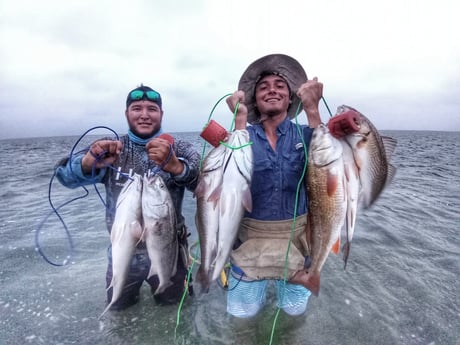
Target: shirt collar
{"type": "Point", "coordinates": [134, 138]}
{"type": "Point", "coordinates": [281, 129]}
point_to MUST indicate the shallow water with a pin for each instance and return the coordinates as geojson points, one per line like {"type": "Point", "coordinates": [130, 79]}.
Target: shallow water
{"type": "Point", "coordinates": [400, 287]}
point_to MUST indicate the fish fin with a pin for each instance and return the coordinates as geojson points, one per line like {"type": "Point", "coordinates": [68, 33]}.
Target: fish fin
{"type": "Point", "coordinates": [215, 195]}
{"type": "Point", "coordinates": [332, 184]}
{"type": "Point", "coordinates": [203, 279]}
{"type": "Point", "coordinates": [336, 246]}
{"type": "Point", "coordinates": [389, 144]}
{"type": "Point", "coordinates": [105, 310]}
{"type": "Point", "coordinates": [346, 252]}
{"type": "Point", "coordinates": [309, 280]}
{"type": "Point", "coordinates": [137, 230]}
{"type": "Point", "coordinates": [199, 190]}
{"type": "Point", "coordinates": [391, 174]}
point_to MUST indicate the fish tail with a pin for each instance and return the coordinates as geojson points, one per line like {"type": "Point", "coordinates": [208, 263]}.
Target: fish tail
{"type": "Point", "coordinates": [309, 280]}
{"type": "Point", "coordinates": [313, 284]}
{"type": "Point", "coordinates": [203, 279]}
{"type": "Point", "coordinates": [346, 252]}
{"type": "Point", "coordinates": [105, 310]}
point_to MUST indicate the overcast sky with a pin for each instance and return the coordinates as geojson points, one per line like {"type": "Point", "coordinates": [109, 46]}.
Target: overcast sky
{"type": "Point", "coordinates": [66, 66]}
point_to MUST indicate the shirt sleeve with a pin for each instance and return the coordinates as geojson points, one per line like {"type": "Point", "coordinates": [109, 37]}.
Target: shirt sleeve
{"type": "Point", "coordinates": [69, 173]}
{"type": "Point", "coordinates": [191, 160]}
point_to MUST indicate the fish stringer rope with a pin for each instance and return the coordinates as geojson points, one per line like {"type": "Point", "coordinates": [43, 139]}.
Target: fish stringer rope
{"type": "Point", "coordinates": [295, 211]}
{"type": "Point", "coordinates": [55, 209]}
{"type": "Point", "coordinates": [296, 204]}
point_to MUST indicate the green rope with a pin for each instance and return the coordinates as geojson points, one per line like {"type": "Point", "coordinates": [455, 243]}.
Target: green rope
{"type": "Point", "coordinates": [186, 290]}
{"type": "Point", "coordinates": [325, 103]}
{"type": "Point", "coordinates": [299, 185]}
{"type": "Point", "coordinates": [231, 127]}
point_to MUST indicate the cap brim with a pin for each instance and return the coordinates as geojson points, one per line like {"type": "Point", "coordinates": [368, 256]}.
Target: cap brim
{"type": "Point", "coordinates": [284, 65]}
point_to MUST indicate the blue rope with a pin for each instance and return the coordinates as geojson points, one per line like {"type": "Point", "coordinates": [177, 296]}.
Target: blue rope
{"type": "Point", "coordinates": [55, 210]}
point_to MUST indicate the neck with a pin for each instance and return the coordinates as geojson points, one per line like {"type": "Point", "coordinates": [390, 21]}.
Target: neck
{"type": "Point", "coordinates": [142, 141]}
{"type": "Point", "coordinates": [271, 123]}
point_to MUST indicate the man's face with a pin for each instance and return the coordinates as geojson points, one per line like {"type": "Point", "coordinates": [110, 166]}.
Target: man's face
{"type": "Point", "coordinates": [144, 118]}
{"type": "Point", "coordinates": [272, 95]}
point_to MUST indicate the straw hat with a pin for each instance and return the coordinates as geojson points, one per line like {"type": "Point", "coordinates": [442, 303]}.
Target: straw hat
{"type": "Point", "coordinates": [283, 65]}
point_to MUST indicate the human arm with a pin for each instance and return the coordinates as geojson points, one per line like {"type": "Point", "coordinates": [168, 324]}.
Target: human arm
{"type": "Point", "coordinates": [82, 168]}
{"type": "Point", "coordinates": [101, 154]}
{"type": "Point", "coordinates": [310, 94]}
{"type": "Point", "coordinates": [161, 151]}
{"type": "Point", "coordinates": [187, 165]}
{"type": "Point", "coordinates": [237, 98]}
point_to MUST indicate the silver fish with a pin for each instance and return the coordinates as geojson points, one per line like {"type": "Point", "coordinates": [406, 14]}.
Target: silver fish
{"type": "Point", "coordinates": [233, 196]}
{"type": "Point", "coordinates": [369, 158]}
{"type": "Point", "coordinates": [207, 214]}
{"type": "Point", "coordinates": [372, 153]}
{"type": "Point", "coordinates": [125, 234]}
{"type": "Point", "coordinates": [352, 188]}
{"type": "Point", "coordinates": [327, 203]}
{"type": "Point", "coordinates": [223, 193]}
{"type": "Point", "coordinates": [159, 230]}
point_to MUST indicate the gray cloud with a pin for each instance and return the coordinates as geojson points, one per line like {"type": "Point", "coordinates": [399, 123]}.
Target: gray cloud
{"type": "Point", "coordinates": [67, 67]}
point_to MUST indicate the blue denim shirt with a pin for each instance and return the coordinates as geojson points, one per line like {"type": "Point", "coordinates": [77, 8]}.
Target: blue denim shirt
{"type": "Point", "coordinates": [277, 174]}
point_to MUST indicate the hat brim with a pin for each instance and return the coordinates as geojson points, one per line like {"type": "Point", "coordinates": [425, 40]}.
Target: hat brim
{"type": "Point", "coordinates": [284, 65]}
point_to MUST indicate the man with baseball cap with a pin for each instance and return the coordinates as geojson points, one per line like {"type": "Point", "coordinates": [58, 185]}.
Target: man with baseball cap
{"type": "Point", "coordinates": [143, 149]}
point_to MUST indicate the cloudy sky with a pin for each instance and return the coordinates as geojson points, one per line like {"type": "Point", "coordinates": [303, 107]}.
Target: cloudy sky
{"type": "Point", "coordinates": [66, 66]}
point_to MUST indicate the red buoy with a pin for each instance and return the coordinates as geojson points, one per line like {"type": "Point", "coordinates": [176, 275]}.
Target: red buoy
{"type": "Point", "coordinates": [344, 123]}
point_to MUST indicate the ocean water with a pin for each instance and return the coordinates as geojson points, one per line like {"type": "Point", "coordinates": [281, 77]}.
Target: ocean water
{"type": "Point", "coordinates": [401, 285]}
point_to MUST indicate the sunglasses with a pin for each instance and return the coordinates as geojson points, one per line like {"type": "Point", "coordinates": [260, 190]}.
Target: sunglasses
{"type": "Point", "coordinates": [139, 94]}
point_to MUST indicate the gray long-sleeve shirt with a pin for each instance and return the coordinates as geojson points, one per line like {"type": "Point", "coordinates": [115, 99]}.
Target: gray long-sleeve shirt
{"type": "Point", "coordinates": [133, 159]}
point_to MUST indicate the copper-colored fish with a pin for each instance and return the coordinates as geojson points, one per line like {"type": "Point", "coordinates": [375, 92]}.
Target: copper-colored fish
{"type": "Point", "coordinates": [327, 203]}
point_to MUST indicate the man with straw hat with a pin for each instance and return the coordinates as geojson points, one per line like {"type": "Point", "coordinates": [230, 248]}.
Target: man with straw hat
{"type": "Point", "coordinates": [271, 92]}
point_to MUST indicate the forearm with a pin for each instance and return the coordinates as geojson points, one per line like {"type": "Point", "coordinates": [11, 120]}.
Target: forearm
{"type": "Point", "coordinates": [190, 160]}
{"type": "Point", "coordinates": [70, 174]}
{"type": "Point", "coordinates": [313, 116]}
